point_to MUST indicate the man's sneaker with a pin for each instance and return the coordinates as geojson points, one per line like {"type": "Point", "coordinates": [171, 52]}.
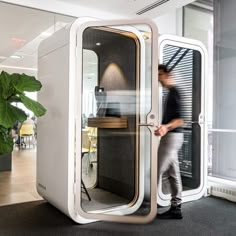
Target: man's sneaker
{"type": "Point", "coordinates": [173, 213]}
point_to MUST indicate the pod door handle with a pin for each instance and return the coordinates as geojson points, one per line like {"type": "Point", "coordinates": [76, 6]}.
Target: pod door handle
{"type": "Point", "coordinates": [148, 125]}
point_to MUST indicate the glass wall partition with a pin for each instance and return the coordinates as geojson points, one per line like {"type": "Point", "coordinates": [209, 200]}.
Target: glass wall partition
{"type": "Point", "coordinates": [213, 25]}
{"type": "Point", "coordinates": [224, 102]}
{"type": "Point", "coordinates": [198, 24]}
{"type": "Point", "coordinates": [22, 29]}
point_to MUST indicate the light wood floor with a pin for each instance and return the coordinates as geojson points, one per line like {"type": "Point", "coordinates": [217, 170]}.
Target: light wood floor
{"type": "Point", "coordinates": [19, 185]}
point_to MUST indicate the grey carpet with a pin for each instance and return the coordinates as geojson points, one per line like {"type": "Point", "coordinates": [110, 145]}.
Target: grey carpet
{"type": "Point", "coordinates": [208, 216]}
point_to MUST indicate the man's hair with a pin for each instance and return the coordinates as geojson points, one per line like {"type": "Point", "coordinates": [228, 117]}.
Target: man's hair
{"type": "Point", "coordinates": [163, 67]}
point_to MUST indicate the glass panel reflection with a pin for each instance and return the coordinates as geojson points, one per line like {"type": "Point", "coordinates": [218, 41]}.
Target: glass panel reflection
{"type": "Point", "coordinates": [89, 135]}
{"type": "Point", "coordinates": [109, 137]}
{"type": "Point", "coordinates": [221, 159]}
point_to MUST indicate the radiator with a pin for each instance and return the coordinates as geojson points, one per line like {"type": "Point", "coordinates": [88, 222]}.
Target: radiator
{"type": "Point", "coordinates": [222, 190]}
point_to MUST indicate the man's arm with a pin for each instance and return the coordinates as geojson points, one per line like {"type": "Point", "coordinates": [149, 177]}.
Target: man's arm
{"type": "Point", "coordinates": [164, 129]}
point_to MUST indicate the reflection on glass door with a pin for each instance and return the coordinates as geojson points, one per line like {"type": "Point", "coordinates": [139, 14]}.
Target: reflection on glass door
{"type": "Point", "coordinates": [109, 134]}
{"type": "Point", "coordinates": [89, 134]}
{"type": "Point", "coordinates": [106, 118]}
{"type": "Point", "coordinates": [120, 130]}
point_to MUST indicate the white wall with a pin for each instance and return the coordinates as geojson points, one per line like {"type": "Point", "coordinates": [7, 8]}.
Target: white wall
{"type": "Point", "coordinates": [170, 23]}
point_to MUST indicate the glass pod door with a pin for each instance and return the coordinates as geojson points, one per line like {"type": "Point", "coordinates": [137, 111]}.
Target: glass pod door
{"type": "Point", "coordinates": [117, 104]}
{"type": "Point", "coordinates": [186, 59]}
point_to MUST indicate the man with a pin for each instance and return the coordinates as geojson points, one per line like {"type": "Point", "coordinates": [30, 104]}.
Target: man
{"type": "Point", "coordinates": [170, 143]}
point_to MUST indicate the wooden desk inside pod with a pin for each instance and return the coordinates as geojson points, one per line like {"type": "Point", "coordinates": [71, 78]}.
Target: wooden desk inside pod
{"type": "Point", "coordinates": [108, 122]}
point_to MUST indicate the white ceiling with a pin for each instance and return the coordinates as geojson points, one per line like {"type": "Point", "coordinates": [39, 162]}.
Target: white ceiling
{"type": "Point", "coordinates": [22, 27]}
{"type": "Point", "coordinates": [130, 8]}
{"type": "Point", "coordinates": [120, 7]}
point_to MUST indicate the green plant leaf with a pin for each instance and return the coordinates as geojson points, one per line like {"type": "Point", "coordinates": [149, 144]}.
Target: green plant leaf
{"type": "Point", "coordinates": [12, 88]}
{"type": "Point", "coordinates": [6, 88]}
{"type": "Point", "coordinates": [23, 82]}
{"type": "Point", "coordinates": [6, 144]}
{"type": "Point", "coordinates": [9, 114]}
{"type": "Point", "coordinates": [14, 99]}
{"type": "Point", "coordinates": [34, 106]}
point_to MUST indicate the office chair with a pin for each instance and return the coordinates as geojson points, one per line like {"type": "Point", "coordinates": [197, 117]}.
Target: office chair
{"type": "Point", "coordinates": [85, 150]}
{"type": "Point", "coordinates": [93, 146]}
{"type": "Point", "coordinates": [26, 134]}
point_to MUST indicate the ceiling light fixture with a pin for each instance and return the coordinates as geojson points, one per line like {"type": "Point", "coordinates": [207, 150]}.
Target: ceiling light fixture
{"type": "Point", "coordinates": [46, 34]}
{"type": "Point", "coordinates": [18, 42]}
{"type": "Point", "coordinates": [16, 56]}
{"type": "Point", "coordinates": [98, 44]}
{"type": "Point", "coordinates": [18, 67]}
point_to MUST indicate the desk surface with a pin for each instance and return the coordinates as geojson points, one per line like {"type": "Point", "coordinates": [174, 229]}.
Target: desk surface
{"type": "Point", "coordinates": [84, 150]}
{"type": "Point", "coordinates": [108, 122]}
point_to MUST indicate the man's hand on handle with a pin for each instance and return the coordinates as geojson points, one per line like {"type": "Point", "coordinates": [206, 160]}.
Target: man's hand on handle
{"type": "Point", "coordinates": [161, 130]}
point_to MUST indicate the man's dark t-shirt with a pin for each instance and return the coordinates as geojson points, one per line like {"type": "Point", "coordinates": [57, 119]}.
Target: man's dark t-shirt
{"type": "Point", "coordinates": [172, 107]}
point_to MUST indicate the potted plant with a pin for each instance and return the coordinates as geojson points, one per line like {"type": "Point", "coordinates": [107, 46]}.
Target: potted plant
{"type": "Point", "coordinates": [12, 91]}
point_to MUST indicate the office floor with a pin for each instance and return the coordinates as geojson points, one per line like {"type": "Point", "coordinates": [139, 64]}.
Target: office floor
{"type": "Point", "coordinates": [208, 216]}
{"type": "Point", "coordinates": [205, 217]}
{"type": "Point", "coordinates": [19, 185]}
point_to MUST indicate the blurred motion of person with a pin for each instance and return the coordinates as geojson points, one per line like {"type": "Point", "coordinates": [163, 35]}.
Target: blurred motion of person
{"type": "Point", "coordinates": [15, 132]}
{"type": "Point", "coordinates": [170, 143]}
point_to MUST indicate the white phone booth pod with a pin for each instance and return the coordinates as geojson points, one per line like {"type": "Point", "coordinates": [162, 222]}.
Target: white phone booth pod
{"type": "Point", "coordinates": [96, 151]}
{"type": "Point", "coordinates": [97, 139]}
{"type": "Point", "coordinates": [187, 60]}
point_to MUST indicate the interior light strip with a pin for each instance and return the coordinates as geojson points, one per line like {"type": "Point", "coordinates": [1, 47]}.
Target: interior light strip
{"type": "Point", "coordinates": [18, 67]}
